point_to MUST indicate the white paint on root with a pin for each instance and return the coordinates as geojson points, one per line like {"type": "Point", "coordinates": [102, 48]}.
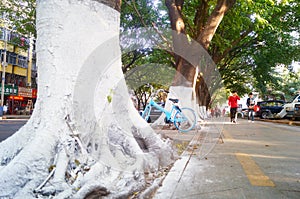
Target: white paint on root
{"type": "Point", "coordinates": [82, 107]}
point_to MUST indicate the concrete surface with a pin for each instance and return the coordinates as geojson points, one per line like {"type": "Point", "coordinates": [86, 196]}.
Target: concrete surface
{"type": "Point", "coordinates": [256, 160]}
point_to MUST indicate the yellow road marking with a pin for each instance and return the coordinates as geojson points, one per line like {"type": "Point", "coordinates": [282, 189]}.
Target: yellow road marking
{"type": "Point", "coordinates": [253, 172]}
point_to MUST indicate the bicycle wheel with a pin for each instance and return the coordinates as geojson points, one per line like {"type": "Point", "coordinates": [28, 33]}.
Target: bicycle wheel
{"type": "Point", "coordinates": [146, 114]}
{"type": "Point", "coordinates": [185, 119]}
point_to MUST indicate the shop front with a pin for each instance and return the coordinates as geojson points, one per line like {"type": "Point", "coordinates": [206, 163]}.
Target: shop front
{"type": "Point", "coordinates": [9, 90]}
{"type": "Point", "coordinates": [23, 103]}
{"type": "Point", "coordinates": [19, 100]}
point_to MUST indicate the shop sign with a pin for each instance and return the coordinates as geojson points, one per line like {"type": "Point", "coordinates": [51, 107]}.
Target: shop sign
{"type": "Point", "coordinates": [34, 93]}
{"type": "Point", "coordinates": [9, 90]}
{"type": "Point", "coordinates": [16, 98]}
{"type": "Point", "coordinates": [25, 92]}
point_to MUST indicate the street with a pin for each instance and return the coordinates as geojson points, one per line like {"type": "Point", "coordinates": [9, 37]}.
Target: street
{"type": "Point", "coordinates": [9, 127]}
{"type": "Point", "coordinates": [259, 160]}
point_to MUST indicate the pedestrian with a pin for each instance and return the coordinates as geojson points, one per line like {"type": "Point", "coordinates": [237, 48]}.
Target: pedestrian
{"type": "Point", "coordinates": [4, 109]}
{"type": "Point", "coordinates": [250, 103]}
{"type": "Point", "coordinates": [232, 102]}
{"type": "Point", "coordinates": [217, 112]}
{"type": "Point", "coordinates": [212, 112]}
{"type": "Point", "coordinates": [223, 112]}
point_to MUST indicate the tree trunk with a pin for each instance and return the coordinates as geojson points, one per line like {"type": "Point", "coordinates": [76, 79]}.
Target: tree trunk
{"type": "Point", "coordinates": [185, 70]}
{"type": "Point", "coordinates": [206, 33]}
{"type": "Point", "coordinates": [213, 22]}
{"type": "Point", "coordinates": [182, 86]}
{"type": "Point", "coordinates": [85, 137]}
{"type": "Point", "coordinates": [182, 47]}
{"type": "Point", "coordinates": [188, 55]}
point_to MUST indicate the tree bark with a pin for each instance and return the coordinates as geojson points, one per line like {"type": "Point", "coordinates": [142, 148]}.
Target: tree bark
{"type": "Point", "coordinates": [115, 4]}
{"type": "Point", "coordinates": [85, 136]}
{"type": "Point", "coordinates": [206, 28]}
{"type": "Point", "coordinates": [185, 70]}
{"type": "Point", "coordinates": [205, 36]}
{"type": "Point", "coordinates": [207, 32]}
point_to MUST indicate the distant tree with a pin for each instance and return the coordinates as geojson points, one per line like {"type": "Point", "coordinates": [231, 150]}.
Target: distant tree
{"type": "Point", "coordinates": [288, 83]}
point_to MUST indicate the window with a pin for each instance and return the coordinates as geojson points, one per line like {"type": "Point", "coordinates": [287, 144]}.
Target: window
{"type": "Point", "coordinates": [263, 104]}
{"type": "Point", "coordinates": [2, 55]}
{"type": "Point", "coordinates": [279, 104]}
{"type": "Point", "coordinates": [22, 61]}
{"type": "Point", "coordinates": [34, 67]}
{"type": "Point", "coordinates": [12, 58]}
{"type": "Point", "coordinates": [2, 31]}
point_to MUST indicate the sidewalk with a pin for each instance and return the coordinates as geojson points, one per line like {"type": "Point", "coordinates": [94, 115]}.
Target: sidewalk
{"type": "Point", "coordinates": [211, 169]}
{"type": "Point", "coordinates": [183, 181]}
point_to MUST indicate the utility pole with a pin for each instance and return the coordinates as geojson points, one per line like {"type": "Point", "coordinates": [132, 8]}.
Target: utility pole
{"type": "Point", "coordinates": [4, 64]}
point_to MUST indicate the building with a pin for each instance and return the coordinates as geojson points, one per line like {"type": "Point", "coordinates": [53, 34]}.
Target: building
{"type": "Point", "coordinates": [20, 72]}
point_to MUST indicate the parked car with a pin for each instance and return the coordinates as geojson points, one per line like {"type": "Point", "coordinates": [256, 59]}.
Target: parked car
{"type": "Point", "coordinates": [296, 111]}
{"type": "Point", "coordinates": [290, 107]}
{"type": "Point", "coordinates": [268, 109]}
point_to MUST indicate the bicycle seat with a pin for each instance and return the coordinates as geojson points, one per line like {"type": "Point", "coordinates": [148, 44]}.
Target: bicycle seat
{"type": "Point", "coordinates": [174, 100]}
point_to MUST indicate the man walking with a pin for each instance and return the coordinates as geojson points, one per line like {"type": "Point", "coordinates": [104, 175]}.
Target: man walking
{"type": "Point", "coordinates": [232, 102]}
{"type": "Point", "coordinates": [250, 103]}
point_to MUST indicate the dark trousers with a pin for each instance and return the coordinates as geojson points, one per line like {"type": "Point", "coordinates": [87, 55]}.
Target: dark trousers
{"type": "Point", "coordinates": [232, 114]}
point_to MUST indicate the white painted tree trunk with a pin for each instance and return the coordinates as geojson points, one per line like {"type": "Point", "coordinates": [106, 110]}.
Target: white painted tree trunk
{"type": "Point", "coordinates": [84, 127]}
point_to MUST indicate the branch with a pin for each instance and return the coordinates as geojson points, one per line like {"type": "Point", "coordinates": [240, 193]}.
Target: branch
{"type": "Point", "coordinates": [214, 21]}
{"type": "Point", "coordinates": [169, 45]}
{"type": "Point", "coordinates": [233, 44]}
{"type": "Point", "coordinates": [136, 56]}
{"type": "Point", "coordinates": [139, 15]}
{"type": "Point", "coordinates": [200, 17]}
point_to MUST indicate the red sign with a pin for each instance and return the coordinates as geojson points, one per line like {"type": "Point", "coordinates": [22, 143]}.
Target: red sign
{"type": "Point", "coordinates": [34, 93]}
{"type": "Point", "coordinates": [16, 97]}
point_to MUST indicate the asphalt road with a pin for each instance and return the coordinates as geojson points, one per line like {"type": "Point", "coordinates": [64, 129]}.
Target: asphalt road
{"type": "Point", "coordinates": [9, 127]}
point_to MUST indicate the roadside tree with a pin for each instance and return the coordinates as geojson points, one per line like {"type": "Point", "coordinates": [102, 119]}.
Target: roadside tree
{"type": "Point", "coordinates": [84, 137]}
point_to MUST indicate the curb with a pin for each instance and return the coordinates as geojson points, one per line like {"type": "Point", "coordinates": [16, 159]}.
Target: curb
{"type": "Point", "coordinates": [7, 117]}
{"type": "Point", "coordinates": [288, 122]}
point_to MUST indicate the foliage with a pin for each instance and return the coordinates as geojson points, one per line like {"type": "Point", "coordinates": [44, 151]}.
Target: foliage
{"type": "Point", "coordinates": [253, 38]}
{"type": "Point", "coordinates": [143, 65]}
{"type": "Point", "coordinates": [142, 13]}
{"type": "Point", "coordinates": [158, 75]}
{"type": "Point", "coordinates": [288, 83]}
{"type": "Point", "coordinates": [19, 15]}
{"type": "Point", "coordinates": [252, 61]}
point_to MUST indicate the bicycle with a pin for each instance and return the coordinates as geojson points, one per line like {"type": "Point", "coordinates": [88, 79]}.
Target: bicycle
{"type": "Point", "coordinates": [184, 119]}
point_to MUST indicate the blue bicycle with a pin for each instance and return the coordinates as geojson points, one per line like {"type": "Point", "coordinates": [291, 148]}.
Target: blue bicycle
{"type": "Point", "coordinates": [184, 119]}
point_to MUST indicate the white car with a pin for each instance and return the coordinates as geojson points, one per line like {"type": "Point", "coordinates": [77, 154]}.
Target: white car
{"type": "Point", "coordinates": [289, 108]}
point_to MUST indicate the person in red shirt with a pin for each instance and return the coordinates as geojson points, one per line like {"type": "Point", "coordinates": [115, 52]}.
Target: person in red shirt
{"type": "Point", "coordinates": [232, 102]}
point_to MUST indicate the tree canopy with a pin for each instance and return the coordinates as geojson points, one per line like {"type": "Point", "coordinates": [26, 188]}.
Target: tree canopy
{"type": "Point", "coordinates": [19, 15]}
{"type": "Point", "coordinates": [253, 38]}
